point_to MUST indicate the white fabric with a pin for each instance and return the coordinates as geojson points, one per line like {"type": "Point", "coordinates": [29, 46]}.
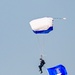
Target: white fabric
{"type": "Point", "coordinates": [41, 23]}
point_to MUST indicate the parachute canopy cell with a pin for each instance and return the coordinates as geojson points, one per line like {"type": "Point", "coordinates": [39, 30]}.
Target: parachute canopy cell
{"type": "Point", "coordinates": [42, 25]}
{"type": "Point", "coordinates": [57, 70]}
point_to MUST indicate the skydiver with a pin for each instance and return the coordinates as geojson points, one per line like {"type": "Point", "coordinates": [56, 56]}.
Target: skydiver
{"type": "Point", "coordinates": [42, 62]}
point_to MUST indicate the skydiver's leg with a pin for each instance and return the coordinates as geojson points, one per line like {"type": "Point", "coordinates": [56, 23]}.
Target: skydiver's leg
{"type": "Point", "coordinates": [40, 68]}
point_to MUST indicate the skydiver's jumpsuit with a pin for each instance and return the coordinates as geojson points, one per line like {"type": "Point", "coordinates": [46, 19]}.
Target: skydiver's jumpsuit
{"type": "Point", "coordinates": [42, 62]}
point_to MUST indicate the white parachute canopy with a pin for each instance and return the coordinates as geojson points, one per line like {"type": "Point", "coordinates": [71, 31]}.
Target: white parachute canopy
{"type": "Point", "coordinates": [42, 25]}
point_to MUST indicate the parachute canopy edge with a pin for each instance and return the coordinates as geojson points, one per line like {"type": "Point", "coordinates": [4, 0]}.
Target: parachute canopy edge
{"type": "Point", "coordinates": [42, 25]}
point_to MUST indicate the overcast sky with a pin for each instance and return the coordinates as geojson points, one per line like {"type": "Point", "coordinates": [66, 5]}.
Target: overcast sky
{"type": "Point", "coordinates": [19, 47]}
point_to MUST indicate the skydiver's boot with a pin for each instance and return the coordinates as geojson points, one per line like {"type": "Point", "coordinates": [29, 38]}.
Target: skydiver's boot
{"type": "Point", "coordinates": [41, 71]}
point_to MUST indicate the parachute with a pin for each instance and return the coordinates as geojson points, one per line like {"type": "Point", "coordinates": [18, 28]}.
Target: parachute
{"type": "Point", "coordinates": [57, 70]}
{"type": "Point", "coordinates": [42, 25]}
